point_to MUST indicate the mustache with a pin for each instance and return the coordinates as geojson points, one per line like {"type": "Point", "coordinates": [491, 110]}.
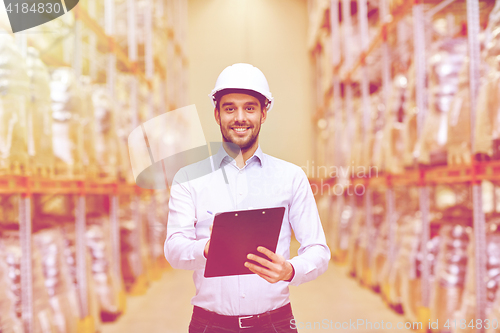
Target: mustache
{"type": "Point", "coordinates": [241, 124]}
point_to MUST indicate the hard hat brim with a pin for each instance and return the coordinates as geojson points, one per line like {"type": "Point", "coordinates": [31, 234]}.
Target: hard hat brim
{"type": "Point", "coordinates": [214, 94]}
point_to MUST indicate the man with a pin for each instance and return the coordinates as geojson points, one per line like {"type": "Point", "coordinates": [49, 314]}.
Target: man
{"type": "Point", "coordinates": [244, 177]}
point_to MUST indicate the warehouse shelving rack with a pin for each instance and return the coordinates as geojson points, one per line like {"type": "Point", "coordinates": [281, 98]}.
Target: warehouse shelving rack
{"type": "Point", "coordinates": [474, 174]}
{"type": "Point", "coordinates": [26, 185]}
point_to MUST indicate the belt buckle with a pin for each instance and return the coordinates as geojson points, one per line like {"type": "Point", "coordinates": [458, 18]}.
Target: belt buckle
{"type": "Point", "coordinates": [244, 317]}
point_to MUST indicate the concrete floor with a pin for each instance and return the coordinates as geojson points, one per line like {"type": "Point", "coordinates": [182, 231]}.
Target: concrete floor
{"type": "Point", "coordinates": [330, 300]}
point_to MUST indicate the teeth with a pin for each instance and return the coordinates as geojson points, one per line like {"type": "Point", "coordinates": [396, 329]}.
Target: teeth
{"type": "Point", "coordinates": [240, 129]}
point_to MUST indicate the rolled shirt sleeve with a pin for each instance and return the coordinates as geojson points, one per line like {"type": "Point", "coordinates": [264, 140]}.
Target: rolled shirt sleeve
{"type": "Point", "coordinates": [313, 254]}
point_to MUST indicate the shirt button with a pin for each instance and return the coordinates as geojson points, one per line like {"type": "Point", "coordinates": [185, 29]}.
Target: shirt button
{"type": "Point", "coordinates": [242, 295]}
{"type": "Point", "coordinates": [241, 193]}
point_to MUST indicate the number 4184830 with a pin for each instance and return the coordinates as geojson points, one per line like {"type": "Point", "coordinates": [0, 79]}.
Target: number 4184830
{"type": "Point", "coordinates": [37, 8]}
{"type": "Point", "coordinates": [478, 323]}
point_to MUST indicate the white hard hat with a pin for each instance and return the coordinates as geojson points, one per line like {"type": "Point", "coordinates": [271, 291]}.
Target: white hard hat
{"type": "Point", "coordinates": [243, 76]}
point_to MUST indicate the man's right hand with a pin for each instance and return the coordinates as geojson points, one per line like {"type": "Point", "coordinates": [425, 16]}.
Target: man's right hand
{"type": "Point", "coordinates": [207, 246]}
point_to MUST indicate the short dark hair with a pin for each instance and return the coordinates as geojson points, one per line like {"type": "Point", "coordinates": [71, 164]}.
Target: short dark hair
{"type": "Point", "coordinates": [261, 98]}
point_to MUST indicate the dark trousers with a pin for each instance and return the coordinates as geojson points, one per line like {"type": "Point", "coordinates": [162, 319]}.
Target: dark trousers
{"type": "Point", "coordinates": [277, 321]}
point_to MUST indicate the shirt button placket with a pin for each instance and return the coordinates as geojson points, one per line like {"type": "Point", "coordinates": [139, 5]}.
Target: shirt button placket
{"type": "Point", "coordinates": [238, 180]}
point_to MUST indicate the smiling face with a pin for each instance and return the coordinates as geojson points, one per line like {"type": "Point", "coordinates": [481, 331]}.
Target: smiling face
{"type": "Point", "coordinates": [239, 117]}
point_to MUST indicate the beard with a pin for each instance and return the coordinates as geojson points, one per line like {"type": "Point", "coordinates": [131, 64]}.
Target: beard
{"type": "Point", "coordinates": [243, 143]}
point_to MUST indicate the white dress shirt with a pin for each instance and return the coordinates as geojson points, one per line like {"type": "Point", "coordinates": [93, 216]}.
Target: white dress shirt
{"type": "Point", "coordinates": [263, 182]}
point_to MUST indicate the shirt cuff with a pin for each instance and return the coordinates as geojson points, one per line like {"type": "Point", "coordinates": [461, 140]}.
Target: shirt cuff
{"type": "Point", "coordinates": [199, 252]}
{"type": "Point", "coordinates": [301, 268]}
{"type": "Point", "coordinates": [293, 273]}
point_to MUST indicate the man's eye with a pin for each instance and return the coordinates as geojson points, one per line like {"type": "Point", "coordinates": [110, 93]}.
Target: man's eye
{"type": "Point", "coordinates": [229, 109]}
{"type": "Point", "coordinates": [250, 108]}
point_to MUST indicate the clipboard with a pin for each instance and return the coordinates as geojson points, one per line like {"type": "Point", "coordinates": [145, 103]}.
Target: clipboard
{"type": "Point", "coordinates": [236, 234]}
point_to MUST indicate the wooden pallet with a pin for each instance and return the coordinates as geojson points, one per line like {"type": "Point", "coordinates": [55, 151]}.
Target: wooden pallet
{"type": "Point", "coordinates": [108, 172]}
{"type": "Point", "coordinates": [91, 171]}
{"type": "Point", "coordinates": [457, 156]}
{"type": "Point", "coordinates": [86, 325]}
{"type": "Point", "coordinates": [66, 170]}
{"type": "Point", "coordinates": [16, 168]}
{"type": "Point", "coordinates": [340, 257]}
{"type": "Point", "coordinates": [140, 286]}
{"type": "Point", "coordinates": [43, 171]}
{"type": "Point", "coordinates": [162, 264]}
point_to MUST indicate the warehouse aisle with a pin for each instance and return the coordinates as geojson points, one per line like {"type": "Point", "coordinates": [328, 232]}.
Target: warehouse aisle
{"type": "Point", "coordinates": [332, 298]}
{"type": "Point", "coordinates": [165, 307]}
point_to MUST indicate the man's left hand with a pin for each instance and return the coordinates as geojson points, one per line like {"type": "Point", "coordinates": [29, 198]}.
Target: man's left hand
{"type": "Point", "coordinates": [278, 269]}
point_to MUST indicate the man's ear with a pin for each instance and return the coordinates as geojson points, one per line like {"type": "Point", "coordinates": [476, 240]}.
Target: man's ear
{"type": "Point", "coordinates": [217, 115]}
{"type": "Point", "coordinates": [264, 115]}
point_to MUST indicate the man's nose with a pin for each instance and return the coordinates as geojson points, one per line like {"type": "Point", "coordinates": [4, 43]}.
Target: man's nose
{"type": "Point", "coordinates": [240, 115]}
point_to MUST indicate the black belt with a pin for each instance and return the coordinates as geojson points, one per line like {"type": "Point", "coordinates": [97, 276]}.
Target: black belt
{"type": "Point", "coordinates": [243, 321]}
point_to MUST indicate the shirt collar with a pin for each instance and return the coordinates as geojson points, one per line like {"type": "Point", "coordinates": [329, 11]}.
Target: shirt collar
{"type": "Point", "coordinates": [222, 154]}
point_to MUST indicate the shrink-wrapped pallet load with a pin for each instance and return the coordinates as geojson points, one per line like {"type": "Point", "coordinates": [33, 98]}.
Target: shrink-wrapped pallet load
{"type": "Point", "coordinates": [467, 309]}
{"type": "Point", "coordinates": [54, 39]}
{"type": "Point", "coordinates": [153, 235]}
{"type": "Point", "coordinates": [160, 33]}
{"type": "Point", "coordinates": [410, 121]}
{"type": "Point", "coordinates": [386, 272]}
{"type": "Point", "coordinates": [487, 129]}
{"type": "Point", "coordinates": [43, 320]}
{"type": "Point", "coordinates": [14, 93]}
{"type": "Point", "coordinates": [131, 260]}
{"type": "Point", "coordinates": [9, 322]}
{"type": "Point", "coordinates": [373, 144]}
{"type": "Point", "coordinates": [445, 63]}
{"type": "Point", "coordinates": [88, 123]}
{"type": "Point", "coordinates": [39, 120]}
{"type": "Point", "coordinates": [330, 216]}
{"type": "Point", "coordinates": [53, 207]}
{"type": "Point", "coordinates": [123, 126]}
{"type": "Point", "coordinates": [106, 142]}
{"type": "Point", "coordinates": [458, 143]}
{"type": "Point", "coordinates": [391, 275]}
{"type": "Point", "coordinates": [144, 111]}
{"type": "Point", "coordinates": [367, 241]}
{"type": "Point", "coordinates": [392, 146]}
{"type": "Point", "coordinates": [162, 211]}
{"type": "Point", "coordinates": [392, 142]}
{"type": "Point", "coordinates": [159, 26]}
{"type": "Point", "coordinates": [158, 234]}
{"type": "Point", "coordinates": [67, 115]}
{"type": "Point", "coordinates": [69, 242]}
{"type": "Point", "coordinates": [107, 283]}
{"type": "Point", "coordinates": [395, 4]}
{"type": "Point", "coordinates": [397, 140]}
{"type": "Point", "coordinates": [348, 132]}
{"type": "Point", "coordinates": [316, 19]}
{"type": "Point", "coordinates": [338, 234]}
{"type": "Point", "coordinates": [159, 96]}
{"type": "Point", "coordinates": [356, 219]}
{"type": "Point", "coordinates": [9, 211]}
{"type": "Point", "coordinates": [487, 143]}
{"type": "Point", "coordinates": [450, 271]}
{"type": "Point", "coordinates": [62, 293]}
{"type": "Point", "coordinates": [327, 68]}
{"type": "Point", "coordinates": [134, 246]}
{"type": "Point", "coordinates": [410, 267]}
{"type": "Point", "coordinates": [324, 201]}
{"type": "Point", "coordinates": [357, 144]}
{"type": "Point", "coordinates": [380, 256]}
{"type": "Point", "coordinates": [143, 209]}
